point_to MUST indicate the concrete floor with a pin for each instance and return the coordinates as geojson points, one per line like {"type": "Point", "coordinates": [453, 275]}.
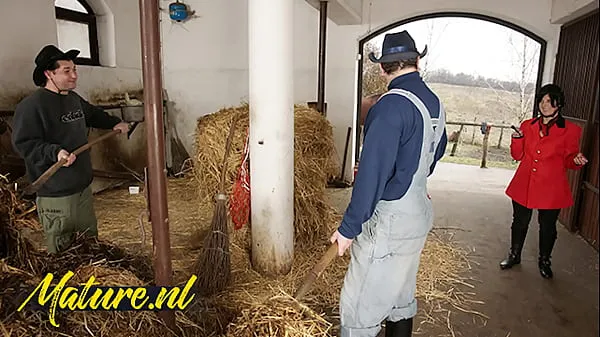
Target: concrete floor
{"type": "Point", "coordinates": [519, 302]}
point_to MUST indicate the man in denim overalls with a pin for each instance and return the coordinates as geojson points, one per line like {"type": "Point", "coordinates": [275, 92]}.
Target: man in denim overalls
{"type": "Point", "coordinates": [390, 213]}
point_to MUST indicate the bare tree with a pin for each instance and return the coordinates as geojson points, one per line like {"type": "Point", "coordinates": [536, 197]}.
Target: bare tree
{"type": "Point", "coordinates": [524, 54]}
{"type": "Point", "coordinates": [435, 30]}
{"type": "Point", "coordinates": [372, 81]}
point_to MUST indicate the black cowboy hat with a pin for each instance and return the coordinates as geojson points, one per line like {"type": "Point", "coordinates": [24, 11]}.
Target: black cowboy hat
{"type": "Point", "coordinates": [398, 47]}
{"type": "Point", "coordinates": [46, 57]}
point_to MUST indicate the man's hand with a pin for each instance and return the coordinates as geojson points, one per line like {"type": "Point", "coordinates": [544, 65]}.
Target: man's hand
{"type": "Point", "coordinates": [69, 157]}
{"type": "Point", "coordinates": [580, 160]}
{"type": "Point", "coordinates": [123, 127]}
{"type": "Point", "coordinates": [343, 243]}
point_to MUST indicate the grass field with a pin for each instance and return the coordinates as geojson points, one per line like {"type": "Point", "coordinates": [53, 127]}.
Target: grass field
{"type": "Point", "coordinates": [470, 104]}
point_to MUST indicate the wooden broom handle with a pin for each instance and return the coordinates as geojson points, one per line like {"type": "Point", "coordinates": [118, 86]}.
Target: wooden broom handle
{"type": "Point", "coordinates": [35, 186]}
{"type": "Point", "coordinates": [316, 271]}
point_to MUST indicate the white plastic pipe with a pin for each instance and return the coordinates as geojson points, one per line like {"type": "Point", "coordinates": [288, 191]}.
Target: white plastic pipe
{"type": "Point", "coordinates": [271, 134]}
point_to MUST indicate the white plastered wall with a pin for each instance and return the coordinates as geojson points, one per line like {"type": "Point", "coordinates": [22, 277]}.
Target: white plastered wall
{"type": "Point", "coordinates": [564, 11]}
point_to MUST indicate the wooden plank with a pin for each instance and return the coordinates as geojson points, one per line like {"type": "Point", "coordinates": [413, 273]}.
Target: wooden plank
{"type": "Point", "coordinates": [588, 212]}
{"type": "Point", "coordinates": [577, 64]}
{"type": "Point", "coordinates": [504, 126]}
{"type": "Point", "coordinates": [589, 231]}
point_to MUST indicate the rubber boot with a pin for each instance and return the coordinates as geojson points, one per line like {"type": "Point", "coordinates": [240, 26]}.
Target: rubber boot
{"type": "Point", "coordinates": [401, 328]}
{"type": "Point", "coordinates": [544, 265]}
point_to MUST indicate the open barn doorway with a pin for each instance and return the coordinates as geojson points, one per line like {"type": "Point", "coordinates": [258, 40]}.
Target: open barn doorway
{"type": "Point", "coordinates": [485, 70]}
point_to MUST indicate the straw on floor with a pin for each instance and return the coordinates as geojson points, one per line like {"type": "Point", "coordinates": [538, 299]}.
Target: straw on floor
{"type": "Point", "coordinates": [23, 266]}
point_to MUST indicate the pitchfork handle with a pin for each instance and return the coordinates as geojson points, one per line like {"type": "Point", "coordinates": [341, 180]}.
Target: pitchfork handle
{"type": "Point", "coordinates": [35, 186]}
{"type": "Point", "coordinates": [312, 276]}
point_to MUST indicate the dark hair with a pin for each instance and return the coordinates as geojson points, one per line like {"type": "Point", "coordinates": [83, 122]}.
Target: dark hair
{"type": "Point", "coordinates": [53, 66]}
{"type": "Point", "coordinates": [557, 97]}
{"type": "Point", "coordinates": [391, 67]}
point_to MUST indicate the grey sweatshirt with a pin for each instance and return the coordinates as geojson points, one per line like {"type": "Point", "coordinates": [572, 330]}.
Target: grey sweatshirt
{"type": "Point", "coordinates": [46, 122]}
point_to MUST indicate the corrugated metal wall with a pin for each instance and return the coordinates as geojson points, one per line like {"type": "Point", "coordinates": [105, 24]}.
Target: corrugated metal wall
{"type": "Point", "coordinates": [576, 71]}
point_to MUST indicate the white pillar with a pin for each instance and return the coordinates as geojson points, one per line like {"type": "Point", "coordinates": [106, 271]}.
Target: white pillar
{"type": "Point", "coordinates": [271, 134]}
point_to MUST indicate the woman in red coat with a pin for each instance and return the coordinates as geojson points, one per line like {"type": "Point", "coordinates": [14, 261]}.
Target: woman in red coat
{"type": "Point", "coordinates": [546, 146]}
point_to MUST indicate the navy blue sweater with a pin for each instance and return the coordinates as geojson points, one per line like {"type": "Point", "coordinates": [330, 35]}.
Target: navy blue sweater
{"type": "Point", "coordinates": [391, 150]}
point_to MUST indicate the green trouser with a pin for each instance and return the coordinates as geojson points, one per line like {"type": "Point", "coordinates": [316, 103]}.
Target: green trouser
{"type": "Point", "coordinates": [63, 217]}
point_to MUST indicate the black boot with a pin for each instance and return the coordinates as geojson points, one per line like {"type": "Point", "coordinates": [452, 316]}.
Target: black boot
{"type": "Point", "coordinates": [547, 220]}
{"type": "Point", "coordinates": [402, 328]}
{"type": "Point", "coordinates": [514, 258]}
{"type": "Point", "coordinates": [544, 264]}
{"type": "Point", "coordinates": [518, 233]}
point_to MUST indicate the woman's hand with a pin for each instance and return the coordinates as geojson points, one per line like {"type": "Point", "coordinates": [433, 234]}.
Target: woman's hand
{"type": "Point", "coordinates": [580, 159]}
{"type": "Point", "coordinates": [518, 133]}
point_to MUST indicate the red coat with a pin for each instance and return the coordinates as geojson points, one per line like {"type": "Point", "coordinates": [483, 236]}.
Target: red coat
{"type": "Point", "coordinates": [540, 181]}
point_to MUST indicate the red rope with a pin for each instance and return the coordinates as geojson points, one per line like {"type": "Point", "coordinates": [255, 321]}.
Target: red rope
{"type": "Point", "coordinates": [239, 203]}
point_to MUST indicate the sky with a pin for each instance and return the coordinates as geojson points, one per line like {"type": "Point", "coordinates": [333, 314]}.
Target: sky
{"type": "Point", "coordinates": [472, 46]}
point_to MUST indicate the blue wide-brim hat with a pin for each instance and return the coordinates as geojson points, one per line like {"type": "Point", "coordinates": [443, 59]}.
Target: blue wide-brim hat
{"type": "Point", "coordinates": [398, 47]}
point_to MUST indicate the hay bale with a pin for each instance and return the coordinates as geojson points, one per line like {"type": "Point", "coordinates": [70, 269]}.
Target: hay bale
{"type": "Point", "coordinates": [314, 163]}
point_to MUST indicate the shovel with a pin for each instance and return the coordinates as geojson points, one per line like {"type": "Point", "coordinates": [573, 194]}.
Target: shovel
{"type": "Point", "coordinates": [317, 270]}
{"type": "Point", "coordinates": [37, 184]}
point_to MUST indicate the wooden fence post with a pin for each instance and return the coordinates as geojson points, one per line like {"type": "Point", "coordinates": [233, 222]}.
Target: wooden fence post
{"type": "Point", "coordinates": [501, 134]}
{"type": "Point", "coordinates": [455, 145]}
{"type": "Point", "coordinates": [474, 128]}
{"type": "Point", "coordinates": [486, 138]}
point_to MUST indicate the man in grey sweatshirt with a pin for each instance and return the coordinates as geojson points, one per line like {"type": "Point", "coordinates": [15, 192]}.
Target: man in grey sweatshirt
{"type": "Point", "coordinates": [48, 125]}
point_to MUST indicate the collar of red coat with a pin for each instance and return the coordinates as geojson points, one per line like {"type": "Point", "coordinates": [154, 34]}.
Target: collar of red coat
{"type": "Point", "coordinates": [545, 128]}
{"type": "Point", "coordinates": [559, 121]}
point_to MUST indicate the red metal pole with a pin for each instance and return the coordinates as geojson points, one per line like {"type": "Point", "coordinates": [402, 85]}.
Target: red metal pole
{"type": "Point", "coordinates": [157, 180]}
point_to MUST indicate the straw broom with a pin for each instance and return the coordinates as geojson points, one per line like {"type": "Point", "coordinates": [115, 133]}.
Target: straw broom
{"type": "Point", "coordinates": [214, 268]}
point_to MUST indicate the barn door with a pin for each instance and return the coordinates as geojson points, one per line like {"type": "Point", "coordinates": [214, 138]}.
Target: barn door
{"type": "Point", "coordinates": [576, 71]}
{"type": "Point", "coordinates": [587, 218]}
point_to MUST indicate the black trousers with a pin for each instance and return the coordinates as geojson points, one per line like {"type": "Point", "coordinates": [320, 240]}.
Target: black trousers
{"type": "Point", "coordinates": [547, 235]}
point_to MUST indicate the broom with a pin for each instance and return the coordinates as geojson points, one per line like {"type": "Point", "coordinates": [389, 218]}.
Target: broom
{"type": "Point", "coordinates": [214, 267]}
